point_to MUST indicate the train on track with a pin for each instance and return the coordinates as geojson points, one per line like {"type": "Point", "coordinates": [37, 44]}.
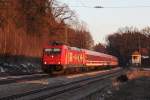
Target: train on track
{"type": "Point", "coordinates": [61, 58]}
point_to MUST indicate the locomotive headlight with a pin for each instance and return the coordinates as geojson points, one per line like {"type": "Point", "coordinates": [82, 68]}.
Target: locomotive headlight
{"type": "Point", "coordinates": [45, 62]}
{"type": "Point", "coordinates": [52, 56]}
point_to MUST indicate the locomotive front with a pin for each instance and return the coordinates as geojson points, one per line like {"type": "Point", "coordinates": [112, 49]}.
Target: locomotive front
{"type": "Point", "coordinates": [52, 58]}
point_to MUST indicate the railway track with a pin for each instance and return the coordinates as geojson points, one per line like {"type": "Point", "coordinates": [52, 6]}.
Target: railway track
{"type": "Point", "coordinates": [55, 91]}
{"type": "Point", "coordinates": [13, 79]}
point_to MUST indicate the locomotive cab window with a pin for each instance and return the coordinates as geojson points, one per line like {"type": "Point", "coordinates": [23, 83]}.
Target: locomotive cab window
{"type": "Point", "coordinates": [52, 51]}
{"type": "Point", "coordinates": [56, 50]}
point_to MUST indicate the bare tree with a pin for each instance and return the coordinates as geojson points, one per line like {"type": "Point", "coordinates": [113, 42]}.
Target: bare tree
{"type": "Point", "coordinates": [123, 43]}
{"type": "Point", "coordinates": [100, 48]}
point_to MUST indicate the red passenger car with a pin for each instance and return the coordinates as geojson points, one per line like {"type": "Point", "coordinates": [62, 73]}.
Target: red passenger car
{"type": "Point", "coordinates": [58, 57]}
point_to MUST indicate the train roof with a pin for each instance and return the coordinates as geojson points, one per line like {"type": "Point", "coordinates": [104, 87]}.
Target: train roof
{"type": "Point", "coordinates": [90, 52]}
{"type": "Point", "coordinates": [53, 43]}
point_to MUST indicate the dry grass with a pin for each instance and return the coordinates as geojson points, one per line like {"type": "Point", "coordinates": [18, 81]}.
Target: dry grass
{"type": "Point", "coordinates": [137, 74]}
{"type": "Point", "coordinates": [132, 74]}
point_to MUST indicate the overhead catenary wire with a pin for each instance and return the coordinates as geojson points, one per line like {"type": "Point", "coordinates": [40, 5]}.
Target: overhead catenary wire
{"type": "Point", "coordinates": [96, 7]}
{"type": "Point", "coordinates": [83, 4]}
{"type": "Point", "coordinates": [112, 6]}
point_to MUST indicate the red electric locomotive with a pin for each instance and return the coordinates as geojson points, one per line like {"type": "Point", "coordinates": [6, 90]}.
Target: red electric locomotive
{"type": "Point", "coordinates": [59, 58]}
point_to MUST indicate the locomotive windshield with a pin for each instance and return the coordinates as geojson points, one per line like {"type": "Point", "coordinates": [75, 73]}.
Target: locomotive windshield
{"type": "Point", "coordinates": [52, 51]}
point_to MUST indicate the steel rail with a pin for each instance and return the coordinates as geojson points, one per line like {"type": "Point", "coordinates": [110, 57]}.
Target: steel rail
{"type": "Point", "coordinates": [74, 87]}
{"type": "Point", "coordinates": [59, 89]}
{"type": "Point", "coordinates": [13, 79]}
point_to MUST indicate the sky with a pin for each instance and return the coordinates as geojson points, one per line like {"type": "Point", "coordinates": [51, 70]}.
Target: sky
{"type": "Point", "coordinates": [115, 14]}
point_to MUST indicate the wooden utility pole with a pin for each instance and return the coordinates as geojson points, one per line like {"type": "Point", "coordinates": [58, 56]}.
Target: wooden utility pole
{"type": "Point", "coordinates": [66, 35]}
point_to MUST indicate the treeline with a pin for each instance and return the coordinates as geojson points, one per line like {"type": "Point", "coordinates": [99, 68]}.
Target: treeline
{"type": "Point", "coordinates": [128, 40]}
{"type": "Point", "coordinates": [26, 25]}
